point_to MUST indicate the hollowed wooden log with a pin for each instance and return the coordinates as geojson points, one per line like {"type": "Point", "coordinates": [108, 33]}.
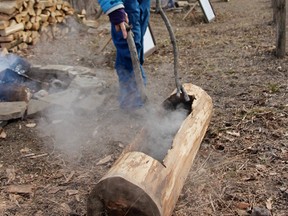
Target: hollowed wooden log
{"type": "Point", "coordinates": [138, 184]}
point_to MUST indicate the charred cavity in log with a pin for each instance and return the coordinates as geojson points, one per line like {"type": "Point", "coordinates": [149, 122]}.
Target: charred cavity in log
{"type": "Point", "coordinates": [174, 102]}
{"type": "Point", "coordinates": [160, 132]}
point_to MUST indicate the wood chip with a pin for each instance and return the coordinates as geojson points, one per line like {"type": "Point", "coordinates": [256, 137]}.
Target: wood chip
{"type": "Point", "coordinates": [3, 134]}
{"type": "Point", "coordinates": [29, 155]}
{"type": "Point", "coordinates": [39, 213]}
{"type": "Point", "coordinates": [269, 203]}
{"type": "Point", "coordinates": [38, 156]}
{"type": "Point", "coordinates": [105, 160]}
{"type": "Point", "coordinates": [261, 167]}
{"type": "Point", "coordinates": [273, 173]}
{"type": "Point", "coordinates": [10, 175]}
{"type": "Point", "coordinates": [14, 198]}
{"type": "Point", "coordinates": [77, 197]}
{"type": "Point", "coordinates": [233, 133]}
{"type": "Point", "coordinates": [54, 190]}
{"type": "Point", "coordinates": [71, 192]}
{"type": "Point", "coordinates": [242, 205]}
{"type": "Point", "coordinates": [66, 207]}
{"type": "Point", "coordinates": [20, 189]}
{"type": "Point", "coordinates": [69, 177]}
{"type": "Point", "coordinates": [31, 125]}
{"type": "Point", "coordinates": [25, 150]}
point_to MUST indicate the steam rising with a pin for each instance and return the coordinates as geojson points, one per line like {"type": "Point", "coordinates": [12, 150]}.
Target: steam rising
{"type": "Point", "coordinates": [63, 127]}
{"type": "Point", "coordinates": [161, 129]}
{"type": "Point", "coordinates": [73, 130]}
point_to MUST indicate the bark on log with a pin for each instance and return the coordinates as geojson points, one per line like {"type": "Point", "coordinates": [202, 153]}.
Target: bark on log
{"type": "Point", "coordinates": [137, 184]}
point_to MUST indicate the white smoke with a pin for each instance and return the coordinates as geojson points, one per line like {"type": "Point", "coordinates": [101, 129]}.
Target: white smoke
{"type": "Point", "coordinates": [161, 126]}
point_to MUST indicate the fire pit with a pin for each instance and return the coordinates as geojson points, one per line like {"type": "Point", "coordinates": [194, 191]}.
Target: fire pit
{"type": "Point", "coordinates": [39, 87]}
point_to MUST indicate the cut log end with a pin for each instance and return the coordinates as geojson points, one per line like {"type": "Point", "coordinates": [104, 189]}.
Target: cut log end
{"type": "Point", "coordinates": [118, 197]}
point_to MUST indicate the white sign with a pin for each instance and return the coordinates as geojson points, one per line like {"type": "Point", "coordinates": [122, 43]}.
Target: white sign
{"type": "Point", "coordinates": [149, 42]}
{"type": "Point", "coordinates": [207, 9]}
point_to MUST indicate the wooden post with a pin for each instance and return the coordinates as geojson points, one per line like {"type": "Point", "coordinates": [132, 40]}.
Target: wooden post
{"type": "Point", "coordinates": [138, 184]}
{"type": "Point", "coordinates": [273, 5]}
{"type": "Point", "coordinates": [281, 28]}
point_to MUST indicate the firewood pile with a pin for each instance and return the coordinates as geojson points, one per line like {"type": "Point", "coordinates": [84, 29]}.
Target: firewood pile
{"type": "Point", "coordinates": [22, 21]}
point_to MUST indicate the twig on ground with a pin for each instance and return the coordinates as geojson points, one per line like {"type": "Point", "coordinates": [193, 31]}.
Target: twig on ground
{"type": "Point", "coordinates": [211, 201]}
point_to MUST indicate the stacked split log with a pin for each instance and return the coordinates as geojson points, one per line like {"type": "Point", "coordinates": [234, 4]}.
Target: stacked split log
{"type": "Point", "coordinates": [21, 21]}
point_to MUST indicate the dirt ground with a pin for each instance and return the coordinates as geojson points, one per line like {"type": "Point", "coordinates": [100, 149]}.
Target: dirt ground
{"type": "Point", "coordinates": [243, 160]}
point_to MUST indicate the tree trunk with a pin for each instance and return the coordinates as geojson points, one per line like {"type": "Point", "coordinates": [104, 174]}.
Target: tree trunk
{"type": "Point", "coordinates": [273, 4]}
{"type": "Point", "coordinates": [91, 6]}
{"type": "Point", "coordinates": [281, 28]}
{"type": "Point", "coordinates": [138, 184]}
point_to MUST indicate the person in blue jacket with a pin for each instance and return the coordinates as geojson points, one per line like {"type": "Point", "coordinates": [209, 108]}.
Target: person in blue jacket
{"type": "Point", "coordinates": [135, 13]}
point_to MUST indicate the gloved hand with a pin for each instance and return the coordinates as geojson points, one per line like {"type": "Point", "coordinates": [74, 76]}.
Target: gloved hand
{"type": "Point", "coordinates": [118, 18]}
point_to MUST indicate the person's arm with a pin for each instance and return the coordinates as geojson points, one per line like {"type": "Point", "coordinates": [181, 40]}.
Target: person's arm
{"type": "Point", "coordinates": [117, 15]}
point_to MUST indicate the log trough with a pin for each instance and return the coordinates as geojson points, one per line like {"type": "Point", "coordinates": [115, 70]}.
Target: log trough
{"type": "Point", "coordinates": [139, 184]}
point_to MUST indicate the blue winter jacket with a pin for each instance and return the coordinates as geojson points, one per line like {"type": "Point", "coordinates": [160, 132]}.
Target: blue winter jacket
{"type": "Point", "coordinates": [110, 5]}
